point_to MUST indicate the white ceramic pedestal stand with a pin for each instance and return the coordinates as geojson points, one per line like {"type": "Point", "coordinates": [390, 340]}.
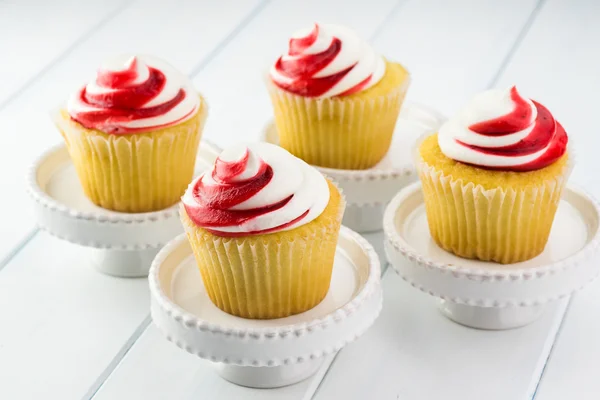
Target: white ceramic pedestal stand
{"type": "Point", "coordinates": [489, 295]}
{"type": "Point", "coordinates": [265, 353]}
{"type": "Point", "coordinates": [368, 191]}
{"type": "Point", "coordinates": [124, 244]}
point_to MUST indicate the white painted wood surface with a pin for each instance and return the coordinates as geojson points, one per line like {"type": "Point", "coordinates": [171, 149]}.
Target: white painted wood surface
{"type": "Point", "coordinates": [453, 48]}
{"type": "Point", "coordinates": [170, 373]}
{"type": "Point", "coordinates": [414, 352]}
{"type": "Point", "coordinates": [31, 53]}
{"type": "Point", "coordinates": [68, 332]}
{"type": "Point", "coordinates": [566, 57]}
{"type": "Point", "coordinates": [62, 322]}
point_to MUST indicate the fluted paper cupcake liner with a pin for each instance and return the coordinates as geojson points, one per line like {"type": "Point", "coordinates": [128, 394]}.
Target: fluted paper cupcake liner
{"type": "Point", "coordinates": [140, 172]}
{"type": "Point", "coordinates": [267, 276]}
{"type": "Point", "coordinates": [344, 133]}
{"type": "Point", "coordinates": [502, 225]}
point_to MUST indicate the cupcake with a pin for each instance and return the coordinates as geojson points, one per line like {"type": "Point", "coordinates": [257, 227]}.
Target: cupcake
{"type": "Point", "coordinates": [263, 226]}
{"type": "Point", "coordinates": [493, 177]}
{"type": "Point", "coordinates": [336, 101]}
{"type": "Point", "coordinates": [133, 134]}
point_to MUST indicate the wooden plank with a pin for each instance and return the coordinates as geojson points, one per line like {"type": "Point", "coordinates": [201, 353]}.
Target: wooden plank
{"type": "Point", "coordinates": [37, 34]}
{"type": "Point", "coordinates": [62, 321]}
{"type": "Point", "coordinates": [185, 32]}
{"type": "Point", "coordinates": [453, 49]}
{"type": "Point", "coordinates": [414, 352]}
{"type": "Point", "coordinates": [422, 35]}
{"type": "Point", "coordinates": [169, 372]}
{"type": "Point", "coordinates": [571, 371]}
{"type": "Point", "coordinates": [555, 64]}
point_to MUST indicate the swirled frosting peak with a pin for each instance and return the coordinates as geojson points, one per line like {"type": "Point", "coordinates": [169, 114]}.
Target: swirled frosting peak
{"type": "Point", "coordinates": [325, 61]}
{"type": "Point", "coordinates": [256, 189]}
{"type": "Point", "coordinates": [133, 94]}
{"type": "Point", "coordinates": [499, 129]}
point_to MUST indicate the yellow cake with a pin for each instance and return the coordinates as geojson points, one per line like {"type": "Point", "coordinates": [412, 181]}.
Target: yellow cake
{"type": "Point", "coordinates": [274, 274]}
{"type": "Point", "coordinates": [349, 125]}
{"type": "Point", "coordinates": [490, 213]}
{"type": "Point", "coordinates": [134, 157]}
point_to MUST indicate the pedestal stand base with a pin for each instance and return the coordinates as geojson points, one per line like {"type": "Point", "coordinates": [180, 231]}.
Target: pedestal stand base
{"type": "Point", "coordinates": [123, 263]}
{"type": "Point", "coordinates": [489, 317]}
{"type": "Point", "coordinates": [268, 377]}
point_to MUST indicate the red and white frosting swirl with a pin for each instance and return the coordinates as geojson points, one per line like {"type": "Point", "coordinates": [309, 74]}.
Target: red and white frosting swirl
{"type": "Point", "coordinates": [501, 130]}
{"type": "Point", "coordinates": [256, 189]}
{"type": "Point", "coordinates": [134, 94]}
{"type": "Point", "coordinates": [326, 61]}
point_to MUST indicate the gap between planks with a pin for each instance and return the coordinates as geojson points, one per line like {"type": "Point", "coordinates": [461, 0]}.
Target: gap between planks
{"type": "Point", "coordinates": [517, 43]}
{"type": "Point", "coordinates": [536, 385]}
{"type": "Point", "coordinates": [97, 385]}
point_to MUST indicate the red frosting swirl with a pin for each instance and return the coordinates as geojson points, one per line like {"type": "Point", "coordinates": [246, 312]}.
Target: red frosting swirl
{"type": "Point", "coordinates": [139, 97]}
{"type": "Point", "coordinates": [242, 195]}
{"type": "Point", "coordinates": [327, 61]}
{"type": "Point", "coordinates": [526, 138]}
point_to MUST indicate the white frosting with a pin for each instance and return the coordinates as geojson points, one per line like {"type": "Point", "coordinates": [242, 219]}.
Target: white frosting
{"type": "Point", "coordinates": [355, 51]}
{"type": "Point", "coordinates": [291, 176]}
{"type": "Point", "coordinates": [174, 82]}
{"type": "Point", "coordinates": [485, 106]}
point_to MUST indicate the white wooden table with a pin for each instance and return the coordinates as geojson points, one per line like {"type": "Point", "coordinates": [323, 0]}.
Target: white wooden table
{"type": "Point", "coordinates": [68, 332]}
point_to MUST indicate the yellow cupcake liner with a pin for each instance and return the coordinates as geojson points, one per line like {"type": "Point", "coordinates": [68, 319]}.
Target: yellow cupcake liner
{"type": "Point", "coordinates": [140, 172]}
{"type": "Point", "coordinates": [273, 275]}
{"type": "Point", "coordinates": [502, 225]}
{"type": "Point", "coordinates": [351, 132]}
